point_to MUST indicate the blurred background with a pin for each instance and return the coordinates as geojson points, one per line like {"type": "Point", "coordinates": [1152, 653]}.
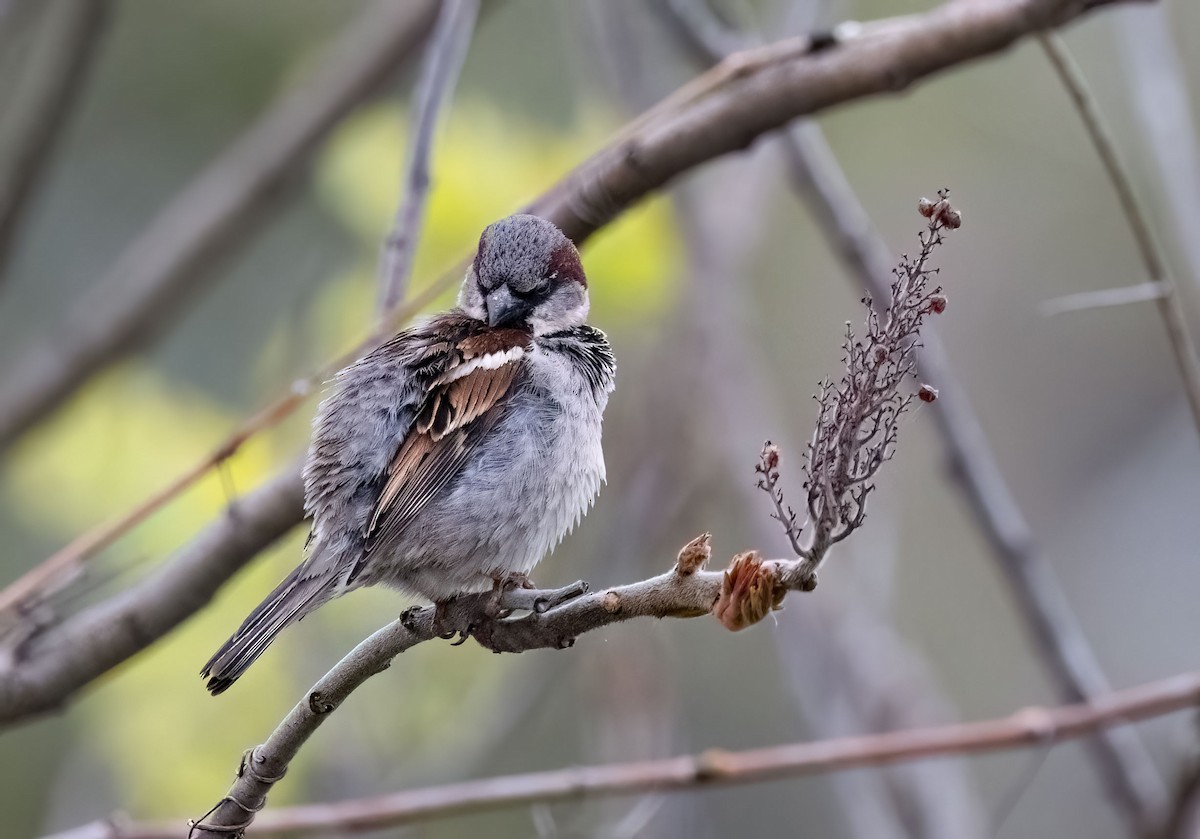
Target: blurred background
{"type": "Point", "coordinates": [725, 306]}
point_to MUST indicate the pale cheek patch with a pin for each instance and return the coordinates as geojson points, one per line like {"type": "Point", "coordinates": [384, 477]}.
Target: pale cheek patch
{"type": "Point", "coordinates": [491, 361]}
{"type": "Point", "coordinates": [561, 312]}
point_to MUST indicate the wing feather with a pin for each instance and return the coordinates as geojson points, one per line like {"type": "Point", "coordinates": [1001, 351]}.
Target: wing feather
{"type": "Point", "coordinates": [460, 407]}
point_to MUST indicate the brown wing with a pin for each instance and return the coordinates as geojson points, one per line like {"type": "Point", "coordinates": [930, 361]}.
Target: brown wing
{"type": "Point", "coordinates": [462, 404]}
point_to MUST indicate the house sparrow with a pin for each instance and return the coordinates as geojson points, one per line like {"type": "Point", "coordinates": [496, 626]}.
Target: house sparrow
{"type": "Point", "coordinates": [459, 453]}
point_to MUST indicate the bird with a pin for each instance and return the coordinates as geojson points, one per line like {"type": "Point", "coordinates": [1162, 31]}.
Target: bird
{"type": "Point", "coordinates": [458, 453]}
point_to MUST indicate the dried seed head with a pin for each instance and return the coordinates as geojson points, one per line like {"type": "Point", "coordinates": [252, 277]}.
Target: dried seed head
{"type": "Point", "coordinates": [881, 353]}
{"type": "Point", "coordinates": [927, 393]}
{"type": "Point", "coordinates": [937, 303]}
{"type": "Point", "coordinates": [952, 218]}
{"type": "Point", "coordinates": [925, 207]}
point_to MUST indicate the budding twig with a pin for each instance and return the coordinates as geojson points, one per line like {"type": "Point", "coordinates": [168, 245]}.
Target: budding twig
{"type": "Point", "coordinates": [858, 417]}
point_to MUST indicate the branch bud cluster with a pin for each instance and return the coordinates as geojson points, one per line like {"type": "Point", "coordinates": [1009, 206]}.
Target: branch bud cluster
{"type": "Point", "coordinates": [858, 416]}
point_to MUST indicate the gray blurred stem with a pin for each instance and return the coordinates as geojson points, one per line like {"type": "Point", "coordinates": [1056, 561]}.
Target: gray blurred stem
{"type": "Point", "coordinates": [170, 260]}
{"type": "Point", "coordinates": [34, 124]}
{"type": "Point", "coordinates": [1169, 304]}
{"type": "Point", "coordinates": [1158, 91]}
{"type": "Point", "coordinates": [439, 73]}
{"type": "Point", "coordinates": [1126, 767]}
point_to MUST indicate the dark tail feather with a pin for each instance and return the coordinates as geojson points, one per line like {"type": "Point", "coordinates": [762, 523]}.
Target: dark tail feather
{"type": "Point", "coordinates": [291, 600]}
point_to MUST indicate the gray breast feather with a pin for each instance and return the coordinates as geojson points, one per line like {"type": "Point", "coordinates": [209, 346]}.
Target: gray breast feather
{"type": "Point", "coordinates": [527, 485]}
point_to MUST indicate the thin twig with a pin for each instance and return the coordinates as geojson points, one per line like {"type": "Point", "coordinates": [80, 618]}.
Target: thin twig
{"type": "Point", "coordinates": [170, 259]}
{"type": "Point", "coordinates": [35, 122]}
{"type": "Point", "coordinates": [684, 591]}
{"type": "Point", "coordinates": [752, 94]}
{"type": "Point", "coordinates": [1169, 306]}
{"type": "Point", "coordinates": [1033, 726]}
{"type": "Point", "coordinates": [439, 73]}
{"type": "Point", "coordinates": [1102, 299]}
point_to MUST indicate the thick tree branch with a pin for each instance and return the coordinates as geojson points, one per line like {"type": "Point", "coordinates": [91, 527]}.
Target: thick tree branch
{"type": "Point", "coordinates": [169, 260]}
{"type": "Point", "coordinates": [439, 73]}
{"type": "Point", "coordinates": [749, 589]}
{"type": "Point", "coordinates": [43, 104]}
{"type": "Point", "coordinates": [725, 109]}
{"type": "Point", "coordinates": [1028, 727]}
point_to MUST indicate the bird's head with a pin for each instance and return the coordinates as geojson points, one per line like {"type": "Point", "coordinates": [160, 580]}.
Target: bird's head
{"type": "Point", "coordinates": [526, 275]}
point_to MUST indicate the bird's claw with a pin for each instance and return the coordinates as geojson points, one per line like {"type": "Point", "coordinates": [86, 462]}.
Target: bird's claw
{"type": "Point", "coordinates": [540, 601]}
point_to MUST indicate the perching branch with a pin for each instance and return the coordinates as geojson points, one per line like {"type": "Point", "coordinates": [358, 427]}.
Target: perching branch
{"type": "Point", "coordinates": [725, 110]}
{"type": "Point", "coordinates": [49, 90]}
{"type": "Point", "coordinates": [439, 73]}
{"type": "Point", "coordinates": [743, 594]}
{"type": "Point", "coordinates": [169, 260]}
{"type": "Point", "coordinates": [1169, 306]}
{"type": "Point", "coordinates": [1032, 726]}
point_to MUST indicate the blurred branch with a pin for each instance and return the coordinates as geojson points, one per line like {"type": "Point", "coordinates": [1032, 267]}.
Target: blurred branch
{"type": "Point", "coordinates": [50, 88]}
{"type": "Point", "coordinates": [1169, 306]}
{"type": "Point", "coordinates": [168, 261]}
{"type": "Point", "coordinates": [1032, 726]}
{"type": "Point", "coordinates": [1183, 819]}
{"type": "Point", "coordinates": [1104, 298]}
{"type": "Point", "coordinates": [724, 110]}
{"type": "Point", "coordinates": [1124, 763]}
{"type": "Point", "coordinates": [47, 671]}
{"type": "Point", "coordinates": [1158, 85]}
{"type": "Point", "coordinates": [761, 89]}
{"type": "Point", "coordinates": [439, 73]}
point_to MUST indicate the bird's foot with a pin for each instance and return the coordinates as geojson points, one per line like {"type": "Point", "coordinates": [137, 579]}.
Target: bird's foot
{"type": "Point", "coordinates": [443, 622]}
{"type": "Point", "coordinates": [538, 600]}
